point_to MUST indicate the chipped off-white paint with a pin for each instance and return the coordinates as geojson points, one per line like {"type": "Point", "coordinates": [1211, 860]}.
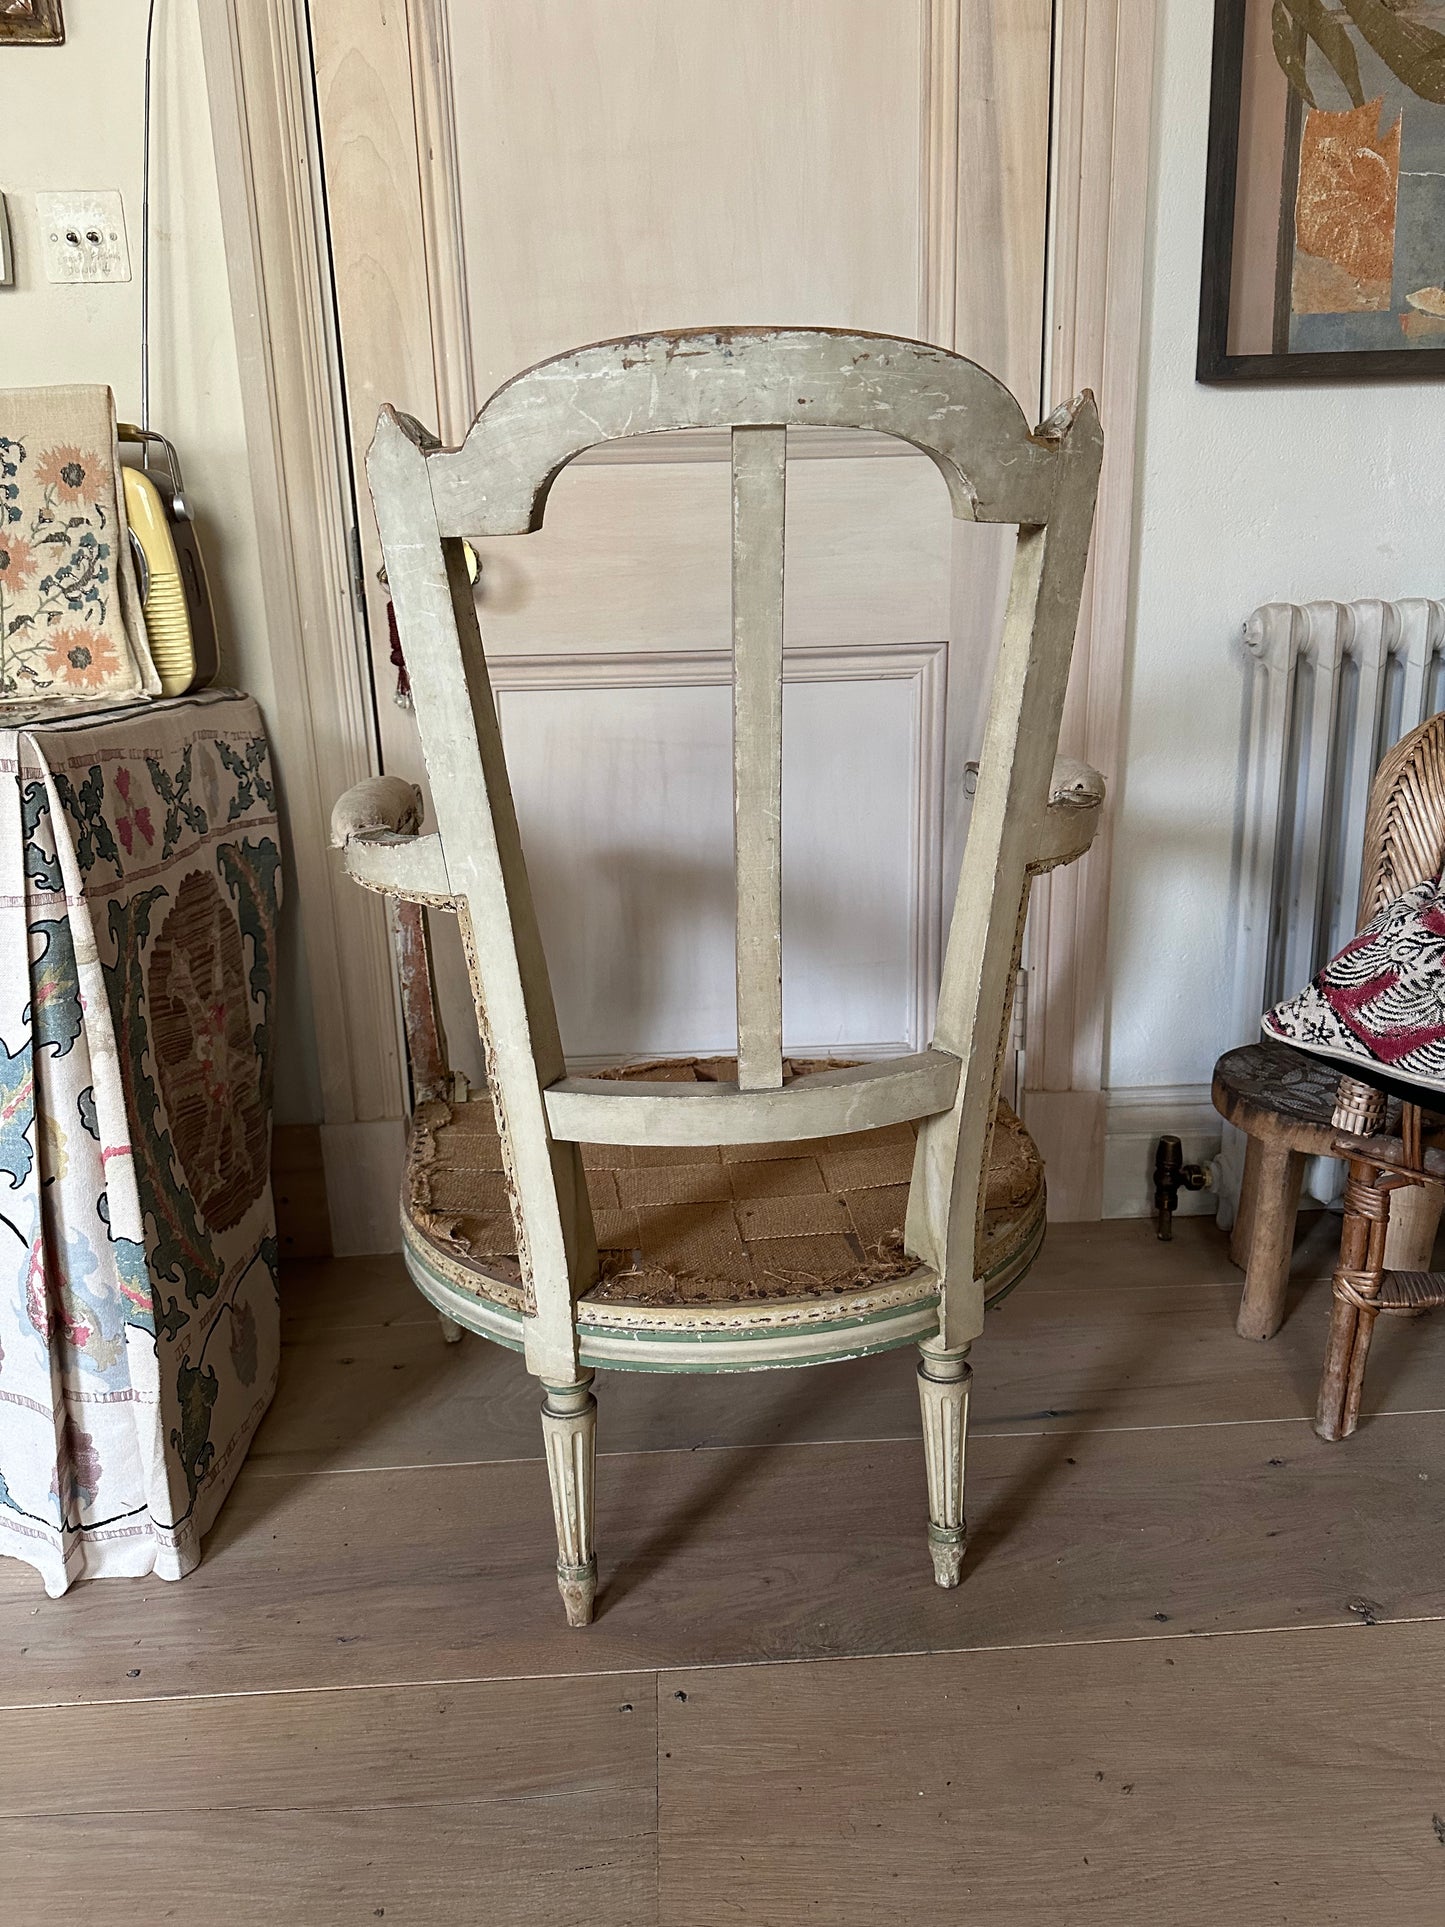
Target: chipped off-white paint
{"type": "Point", "coordinates": [1027, 816]}
{"type": "Point", "coordinates": [943, 1382]}
{"type": "Point", "coordinates": [759, 464]}
{"type": "Point", "coordinates": [569, 1432]}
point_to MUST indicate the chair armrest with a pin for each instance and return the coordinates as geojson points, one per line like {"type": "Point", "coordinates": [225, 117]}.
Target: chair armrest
{"type": "Point", "coordinates": [1076, 796]}
{"type": "Point", "coordinates": [375, 826]}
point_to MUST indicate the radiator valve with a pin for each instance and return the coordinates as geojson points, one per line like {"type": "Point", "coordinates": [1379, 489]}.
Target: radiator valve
{"type": "Point", "coordinates": [1171, 1176]}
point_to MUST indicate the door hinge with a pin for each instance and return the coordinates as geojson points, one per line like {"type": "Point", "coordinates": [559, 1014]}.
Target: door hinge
{"type": "Point", "coordinates": [358, 577]}
{"type": "Point", "coordinates": [1018, 1036]}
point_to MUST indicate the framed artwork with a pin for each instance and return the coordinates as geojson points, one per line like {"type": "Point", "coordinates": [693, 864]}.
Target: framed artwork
{"type": "Point", "coordinates": [1324, 218]}
{"type": "Point", "coordinates": [37, 22]}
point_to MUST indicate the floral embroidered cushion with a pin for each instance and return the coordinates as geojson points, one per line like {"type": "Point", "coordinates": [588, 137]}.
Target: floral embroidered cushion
{"type": "Point", "coordinates": [71, 627]}
{"type": "Point", "coordinates": [1380, 1004]}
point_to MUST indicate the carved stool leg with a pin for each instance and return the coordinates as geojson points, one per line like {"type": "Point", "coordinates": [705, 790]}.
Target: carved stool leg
{"type": "Point", "coordinates": [1243, 1231]}
{"type": "Point", "coordinates": [1278, 1172]}
{"type": "Point", "coordinates": [1352, 1319]}
{"type": "Point", "coordinates": [569, 1430]}
{"type": "Point", "coordinates": [943, 1379]}
{"type": "Point", "coordinates": [451, 1330]}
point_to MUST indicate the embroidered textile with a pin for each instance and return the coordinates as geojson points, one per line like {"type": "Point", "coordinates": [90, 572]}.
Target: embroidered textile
{"type": "Point", "coordinates": [71, 627]}
{"type": "Point", "coordinates": [139, 1327]}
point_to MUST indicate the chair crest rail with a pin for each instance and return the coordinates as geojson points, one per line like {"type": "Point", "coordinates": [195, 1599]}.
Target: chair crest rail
{"type": "Point", "coordinates": [997, 468]}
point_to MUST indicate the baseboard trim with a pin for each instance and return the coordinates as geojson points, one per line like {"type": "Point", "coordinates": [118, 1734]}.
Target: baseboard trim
{"type": "Point", "coordinates": [363, 1165]}
{"type": "Point", "coordinates": [298, 1186]}
{"type": "Point", "coordinates": [1136, 1118]}
{"type": "Point", "coordinates": [337, 1186]}
{"type": "Point", "coordinates": [1068, 1128]}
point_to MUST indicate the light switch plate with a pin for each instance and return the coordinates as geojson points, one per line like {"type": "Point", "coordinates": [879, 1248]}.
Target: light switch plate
{"type": "Point", "coordinates": [82, 235]}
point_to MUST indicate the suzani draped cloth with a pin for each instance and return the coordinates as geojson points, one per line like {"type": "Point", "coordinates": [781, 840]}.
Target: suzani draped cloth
{"type": "Point", "coordinates": [1380, 1003]}
{"type": "Point", "coordinates": [139, 1328]}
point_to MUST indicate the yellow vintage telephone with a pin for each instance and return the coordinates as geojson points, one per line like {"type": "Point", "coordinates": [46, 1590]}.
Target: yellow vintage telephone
{"type": "Point", "coordinates": [175, 597]}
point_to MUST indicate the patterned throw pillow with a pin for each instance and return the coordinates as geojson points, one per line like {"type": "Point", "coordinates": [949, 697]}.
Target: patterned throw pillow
{"type": "Point", "coordinates": [71, 628]}
{"type": "Point", "coordinates": [1379, 1004]}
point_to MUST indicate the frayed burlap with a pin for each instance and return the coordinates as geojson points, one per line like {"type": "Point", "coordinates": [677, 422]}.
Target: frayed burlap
{"type": "Point", "coordinates": [706, 1225]}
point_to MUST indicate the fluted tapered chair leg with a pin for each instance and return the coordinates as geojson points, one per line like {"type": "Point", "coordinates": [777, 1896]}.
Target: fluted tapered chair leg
{"type": "Point", "coordinates": [569, 1430]}
{"type": "Point", "coordinates": [943, 1381]}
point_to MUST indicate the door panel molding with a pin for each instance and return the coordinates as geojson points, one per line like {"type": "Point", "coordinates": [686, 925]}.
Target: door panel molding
{"type": "Point", "coordinates": [1104, 65]}
{"type": "Point", "coordinates": [386, 98]}
{"type": "Point", "coordinates": [938, 190]}
{"type": "Point", "coordinates": [924, 665]}
{"type": "Point", "coordinates": [441, 203]}
{"type": "Point", "coordinates": [257, 62]}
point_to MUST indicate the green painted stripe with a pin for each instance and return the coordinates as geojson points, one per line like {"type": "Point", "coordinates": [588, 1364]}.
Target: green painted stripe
{"type": "Point", "coordinates": [632, 1344]}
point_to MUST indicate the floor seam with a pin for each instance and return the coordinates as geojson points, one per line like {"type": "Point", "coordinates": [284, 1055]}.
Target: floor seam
{"type": "Point", "coordinates": [257, 1467]}
{"type": "Point", "coordinates": [1352, 1624]}
{"type": "Point", "coordinates": [657, 1798]}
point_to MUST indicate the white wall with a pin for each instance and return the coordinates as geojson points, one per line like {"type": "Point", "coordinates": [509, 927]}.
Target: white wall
{"type": "Point", "coordinates": [1246, 494]}
{"type": "Point", "coordinates": [71, 117]}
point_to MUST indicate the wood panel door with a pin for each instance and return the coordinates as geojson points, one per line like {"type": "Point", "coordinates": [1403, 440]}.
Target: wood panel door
{"type": "Point", "coordinates": [510, 178]}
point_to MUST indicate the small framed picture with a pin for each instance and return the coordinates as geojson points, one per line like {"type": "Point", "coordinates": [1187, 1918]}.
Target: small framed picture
{"type": "Point", "coordinates": [1324, 219]}
{"type": "Point", "coordinates": [36, 22]}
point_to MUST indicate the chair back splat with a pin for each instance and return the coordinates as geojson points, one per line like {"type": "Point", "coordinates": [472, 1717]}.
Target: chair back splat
{"type": "Point", "coordinates": [564, 1306]}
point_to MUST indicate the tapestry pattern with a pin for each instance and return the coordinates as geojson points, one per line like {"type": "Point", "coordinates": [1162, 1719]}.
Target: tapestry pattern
{"type": "Point", "coordinates": [140, 881]}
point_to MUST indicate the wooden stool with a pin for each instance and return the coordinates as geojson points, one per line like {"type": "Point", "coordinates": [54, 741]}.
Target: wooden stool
{"type": "Point", "coordinates": [1284, 1102]}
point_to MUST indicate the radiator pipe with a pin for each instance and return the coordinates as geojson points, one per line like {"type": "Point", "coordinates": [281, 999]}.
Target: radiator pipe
{"type": "Point", "coordinates": [1171, 1176]}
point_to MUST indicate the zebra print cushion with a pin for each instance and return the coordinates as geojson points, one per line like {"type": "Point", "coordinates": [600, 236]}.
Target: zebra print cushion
{"type": "Point", "coordinates": [1381, 1001]}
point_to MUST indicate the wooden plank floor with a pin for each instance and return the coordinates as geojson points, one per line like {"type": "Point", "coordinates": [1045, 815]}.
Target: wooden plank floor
{"type": "Point", "coordinates": [1191, 1674]}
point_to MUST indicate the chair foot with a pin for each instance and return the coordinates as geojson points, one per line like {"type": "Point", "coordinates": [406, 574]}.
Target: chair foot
{"type": "Point", "coordinates": [452, 1332]}
{"type": "Point", "coordinates": [1343, 1382]}
{"type": "Point", "coordinates": [569, 1430]}
{"type": "Point", "coordinates": [947, 1549]}
{"type": "Point", "coordinates": [943, 1381]}
{"type": "Point", "coordinates": [578, 1587]}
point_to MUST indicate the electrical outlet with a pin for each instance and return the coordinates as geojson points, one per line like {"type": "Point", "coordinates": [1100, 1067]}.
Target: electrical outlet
{"type": "Point", "coordinates": [82, 235]}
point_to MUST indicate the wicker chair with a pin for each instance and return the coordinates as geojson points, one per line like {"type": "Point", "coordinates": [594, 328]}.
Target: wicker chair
{"type": "Point", "coordinates": [1389, 1161]}
{"type": "Point", "coordinates": [753, 1211]}
{"type": "Point", "coordinates": [1292, 1106]}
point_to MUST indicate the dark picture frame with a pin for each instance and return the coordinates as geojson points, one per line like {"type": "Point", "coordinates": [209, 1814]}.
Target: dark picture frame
{"type": "Point", "coordinates": [1216, 362]}
{"type": "Point", "coordinates": [31, 23]}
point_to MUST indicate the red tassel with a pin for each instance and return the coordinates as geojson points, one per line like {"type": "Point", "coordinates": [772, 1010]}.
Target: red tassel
{"type": "Point", "coordinates": [398, 659]}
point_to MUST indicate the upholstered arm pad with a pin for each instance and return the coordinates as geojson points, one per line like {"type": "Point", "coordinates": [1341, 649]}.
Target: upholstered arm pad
{"type": "Point", "coordinates": [375, 826]}
{"type": "Point", "coordinates": [1076, 796]}
{"type": "Point", "coordinates": [381, 803]}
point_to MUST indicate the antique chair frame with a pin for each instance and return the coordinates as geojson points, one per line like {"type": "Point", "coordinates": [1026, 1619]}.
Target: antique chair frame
{"type": "Point", "coordinates": [1027, 816]}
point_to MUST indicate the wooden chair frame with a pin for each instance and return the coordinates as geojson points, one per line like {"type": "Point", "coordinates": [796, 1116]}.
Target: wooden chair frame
{"type": "Point", "coordinates": [1027, 816]}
